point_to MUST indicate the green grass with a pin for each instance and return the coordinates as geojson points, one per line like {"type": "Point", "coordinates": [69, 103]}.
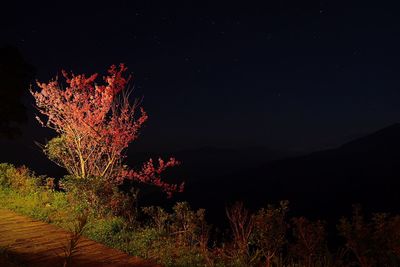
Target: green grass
{"type": "Point", "coordinates": [51, 207]}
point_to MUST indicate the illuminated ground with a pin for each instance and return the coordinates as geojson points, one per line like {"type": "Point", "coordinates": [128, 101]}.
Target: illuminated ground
{"type": "Point", "coordinates": [34, 243]}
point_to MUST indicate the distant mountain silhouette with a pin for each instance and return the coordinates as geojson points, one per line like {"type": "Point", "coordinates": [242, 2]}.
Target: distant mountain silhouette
{"type": "Point", "coordinates": [206, 163]}
{"type": "Point", "coordinates": [324, 183]}
{"type": "Point", "coordinates": [384, 140]}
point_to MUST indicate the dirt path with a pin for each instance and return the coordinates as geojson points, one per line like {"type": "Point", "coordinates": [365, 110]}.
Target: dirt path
{"type": "Point", "coordinates": [34, 243]}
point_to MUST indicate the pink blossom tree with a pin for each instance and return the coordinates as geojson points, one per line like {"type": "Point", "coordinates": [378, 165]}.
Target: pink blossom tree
{"type": "Point", "coordinates": [95, 124]}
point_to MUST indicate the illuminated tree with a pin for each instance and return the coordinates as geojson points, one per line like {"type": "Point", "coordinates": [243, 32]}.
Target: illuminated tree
{"type": "Point", "coordinates": [95, 124]}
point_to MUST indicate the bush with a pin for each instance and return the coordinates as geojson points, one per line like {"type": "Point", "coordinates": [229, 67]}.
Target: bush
{"type": "Point", "coordinates": [242, 224]}
{"type": "Point", "coordinates": [106, 230]}
{"type": "Point", "coordinates": [179, 238]}
{"type": "Point", "coordinates": [21, 179]}
{"type": "Point", "coordinates": [24, 181]}
{"type": "Point", "coordinates": [269, 235]}
{"type": "Point", "coordinates": [375, 242]}
{"type": "Point", "coordinates": [309, 246]}
{"type": "Point", "coordinates": [5, 174]}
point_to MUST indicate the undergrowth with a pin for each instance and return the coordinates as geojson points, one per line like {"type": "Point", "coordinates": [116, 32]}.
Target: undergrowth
{"type": "Point", "coordinates": [182, 237]}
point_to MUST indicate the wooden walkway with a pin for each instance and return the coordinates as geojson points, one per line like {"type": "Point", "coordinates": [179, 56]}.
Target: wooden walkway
{"type": "Point", "coordinates": [34, 243]}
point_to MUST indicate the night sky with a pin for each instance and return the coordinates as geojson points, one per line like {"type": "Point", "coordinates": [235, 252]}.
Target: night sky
{"type": "Point", "coordinates": [293, 76]}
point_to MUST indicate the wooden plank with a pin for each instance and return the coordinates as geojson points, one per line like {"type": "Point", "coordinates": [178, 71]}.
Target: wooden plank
{"type": "Point", "coordinates": [36, 243]}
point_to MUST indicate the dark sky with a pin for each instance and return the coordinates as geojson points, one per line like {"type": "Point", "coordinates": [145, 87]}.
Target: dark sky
{"type": "Point", "coordinates": [285, 75]}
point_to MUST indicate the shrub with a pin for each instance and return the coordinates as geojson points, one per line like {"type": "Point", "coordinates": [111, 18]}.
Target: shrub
{"type": "Point", "coordinates": [188, 227]}
{"type": "Point", "coordinates": [375, 242]}
{"type": "Point", "coordinates": [5, 174]}
{"type": "Point", "coordinates": [21, 178]}
{"type": "Point", "coordinates": [269, 235]}
{"type": "Point", "coordinates": [179, 238]}
{"type": "Point", "coordinates": [241, 222]}
{"type": "Point", "coordinates": [309, 246]}
{"type": "Point", "coordinates": [106, 230]}
{"type": "Point", "coordinates": [92, 195]}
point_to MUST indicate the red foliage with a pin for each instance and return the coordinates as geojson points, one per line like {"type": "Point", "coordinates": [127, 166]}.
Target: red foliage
{"type": "Point", "coordinates": [151, 174]}
{"type": "Point", "coordinates": [96, 123]}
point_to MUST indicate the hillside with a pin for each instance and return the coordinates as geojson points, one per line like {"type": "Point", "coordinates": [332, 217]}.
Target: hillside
{"type": "Point", "coordinates": [327, 183]}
